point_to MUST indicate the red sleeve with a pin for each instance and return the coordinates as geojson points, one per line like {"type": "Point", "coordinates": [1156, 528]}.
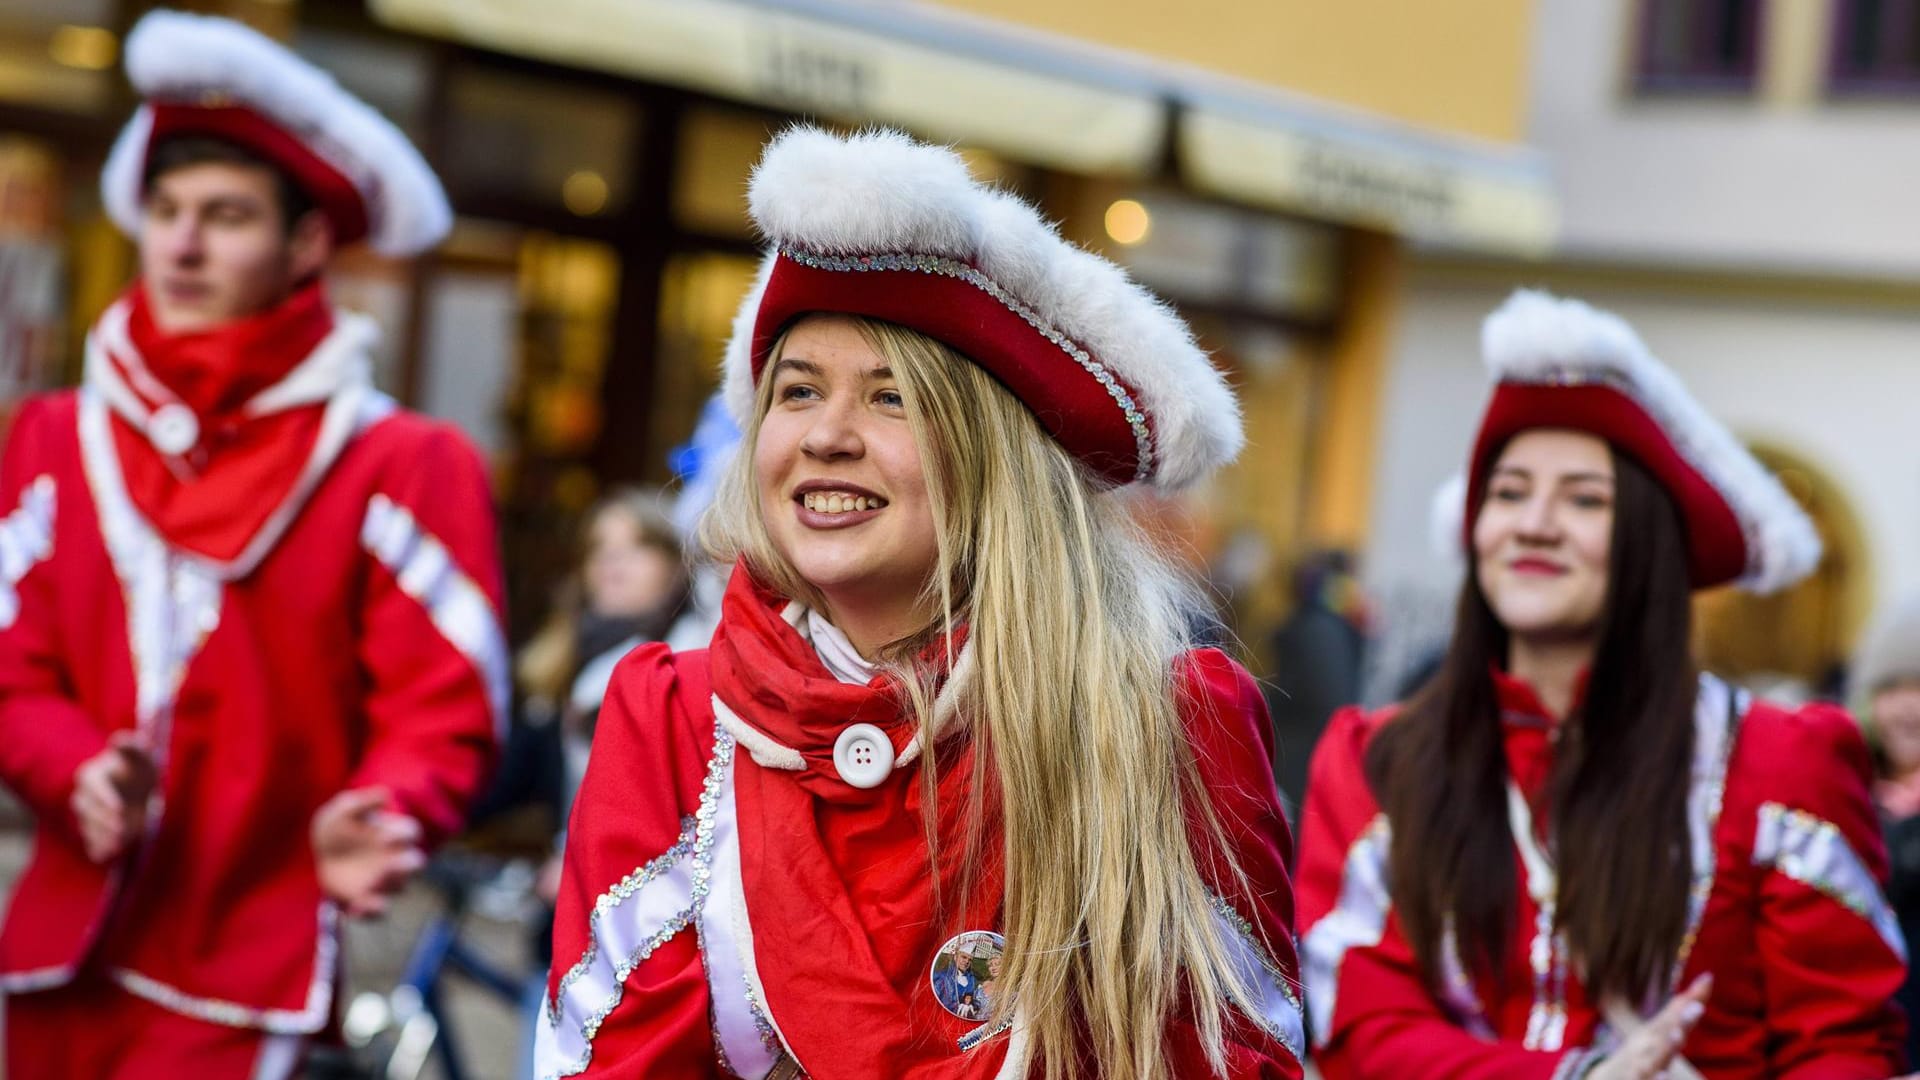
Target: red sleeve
{"type": "Point", "coordinates": [1226, 720]}
{"type": "Point", "coordinates": [44, 733]}
{"type": "Point", "coordinates": [643, 783]}
{"type": "Point", "coordinates": [1372, 1014]}
{"type": "Point", "coordinates": [1831, 952]}
{"type": "Point", "coordinates": [432, 646]}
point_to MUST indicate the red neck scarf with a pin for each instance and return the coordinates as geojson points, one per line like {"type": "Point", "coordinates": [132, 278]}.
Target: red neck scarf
{"type": "Point", "coordinates": [837, 879]}
{"type": "Point", "coordinates": [213, 499]}
{"type": "Point", "coordinates": [1530, 730]}
{"type": "Point", "coordinates": [216, 371]}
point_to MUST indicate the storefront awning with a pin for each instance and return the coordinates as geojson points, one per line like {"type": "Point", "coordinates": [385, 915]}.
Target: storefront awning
{"type": "Point", "coordinates": [1034, 97]}
{"type": "Point", "coordinates": [795, 61]}
{"type": "Point", "coordinates": [1322, 161]}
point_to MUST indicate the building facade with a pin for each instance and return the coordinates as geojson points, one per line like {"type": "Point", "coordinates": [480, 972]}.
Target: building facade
{"type": "Point", "coordinates": [1731, 178]}
{"type": "Point", "coordinates": [1266, 166]}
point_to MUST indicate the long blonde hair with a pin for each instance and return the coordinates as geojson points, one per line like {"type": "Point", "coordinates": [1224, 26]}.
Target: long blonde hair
{"type": "Point", "coordinates": [1075, 621]}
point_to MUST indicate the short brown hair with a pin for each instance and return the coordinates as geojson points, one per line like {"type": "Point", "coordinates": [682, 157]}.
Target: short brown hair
{"type": "Point", "coordinates": [181, 151]}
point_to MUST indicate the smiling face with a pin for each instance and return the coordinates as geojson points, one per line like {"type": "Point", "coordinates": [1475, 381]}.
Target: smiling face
{"type": "Point", "coordinates": [1545, 533]}
{"type": "Point", "coordinates": [841, 486]}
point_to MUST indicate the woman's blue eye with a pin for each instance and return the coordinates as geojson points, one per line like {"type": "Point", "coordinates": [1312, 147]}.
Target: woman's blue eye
{"type": "Point", "coordinates": [795, 391]}
{"type": "Point", "coordinates": [892, 399]}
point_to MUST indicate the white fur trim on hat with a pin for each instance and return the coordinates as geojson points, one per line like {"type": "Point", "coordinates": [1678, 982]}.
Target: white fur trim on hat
{"type": "Point", "coordinates": [172, 55]}
{"type": "Point", "coordinates": [1447, 518]}
{"type": "Point", "coordinates": [1536, 337]}
{"type": "Point", "coordinates": [881, 192]}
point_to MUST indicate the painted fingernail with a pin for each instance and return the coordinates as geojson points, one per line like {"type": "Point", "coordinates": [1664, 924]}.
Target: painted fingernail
{"type": "Point", "coordinates": [1691, 1012]}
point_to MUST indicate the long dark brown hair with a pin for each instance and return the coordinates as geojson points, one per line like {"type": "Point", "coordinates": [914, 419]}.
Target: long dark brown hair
{"type": "Point", "coordinates": [1617, 797]}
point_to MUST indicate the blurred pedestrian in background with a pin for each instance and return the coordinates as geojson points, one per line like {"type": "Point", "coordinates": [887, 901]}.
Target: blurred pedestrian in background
{"type": "Point", "coordinates": [1316, 661]}
{"type": "Point", "coordinates": [631, 586]}
{"type": "Point", "coordinates": [1573, 854]}
{"type": "Point", "coordinates": [944, 630]}
{"type": "Point", "coordinates": [1886, 689]}
{"type": "Point", "coordinates": [251, 661]}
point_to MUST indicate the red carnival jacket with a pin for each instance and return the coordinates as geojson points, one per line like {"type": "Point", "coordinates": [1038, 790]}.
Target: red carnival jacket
{"type": "Point", "coordinates": [731, 905]}
{"type": "Point", "coordinates": [358, 645]}
{"type": "Point", "coordinates": [1787, 914]}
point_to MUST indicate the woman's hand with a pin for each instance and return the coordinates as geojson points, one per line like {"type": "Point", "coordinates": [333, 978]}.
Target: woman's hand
{"type": "Point", "coordinates": [1652, 1050]}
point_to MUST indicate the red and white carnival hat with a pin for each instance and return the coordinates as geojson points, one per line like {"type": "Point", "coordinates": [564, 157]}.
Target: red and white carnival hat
{"type": "Point", "coordinates": [879, 225]}
{"type": "Point", "coordinates": [204, 75]}
{"type": "Point", "coordinates": [1563, 364]}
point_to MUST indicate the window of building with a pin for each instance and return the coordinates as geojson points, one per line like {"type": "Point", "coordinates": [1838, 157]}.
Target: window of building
{"type": "Point", "coordinates": [1876, 47]}
{"type": "Point", "coordinates": [1698, 45]}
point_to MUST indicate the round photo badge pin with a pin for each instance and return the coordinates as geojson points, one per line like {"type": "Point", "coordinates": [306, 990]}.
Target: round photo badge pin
{"type": "Point", "coordinates": [964, 972]}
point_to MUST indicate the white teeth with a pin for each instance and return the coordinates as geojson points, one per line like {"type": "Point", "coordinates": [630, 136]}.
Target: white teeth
{"type": "Point", "coordinates": [838, 503]}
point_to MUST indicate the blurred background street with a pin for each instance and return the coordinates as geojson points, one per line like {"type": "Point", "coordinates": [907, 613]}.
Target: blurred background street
{"type": "Point", "coordinates": [1334, 193]}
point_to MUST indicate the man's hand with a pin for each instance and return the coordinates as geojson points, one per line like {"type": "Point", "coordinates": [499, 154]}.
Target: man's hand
{"type": "Point", "coordinates": [110, 792]}
{"type": "Point", "coordinates": [364, 852]}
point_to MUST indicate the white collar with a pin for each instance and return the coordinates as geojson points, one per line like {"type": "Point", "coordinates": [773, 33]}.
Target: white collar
{"type": "Point", "coordinates": [342, 361]}
{"type": "Point", "coordinates": [836, 650]}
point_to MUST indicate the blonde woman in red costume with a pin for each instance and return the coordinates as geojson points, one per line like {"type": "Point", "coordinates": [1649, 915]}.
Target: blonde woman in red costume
{"type": "Point", "coordinates": [1573, 854]}
{"type": "Point", "coordinates": [950, 794]}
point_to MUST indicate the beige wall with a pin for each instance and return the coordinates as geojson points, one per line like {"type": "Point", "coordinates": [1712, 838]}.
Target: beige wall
{"type": "Point", "coordinates": [1459, 66]}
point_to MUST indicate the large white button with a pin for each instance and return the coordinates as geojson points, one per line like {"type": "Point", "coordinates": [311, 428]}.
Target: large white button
{"type": "Point", "coordinates": [173, 429]}
{"type": "Point", "coordinates": [863, 756]}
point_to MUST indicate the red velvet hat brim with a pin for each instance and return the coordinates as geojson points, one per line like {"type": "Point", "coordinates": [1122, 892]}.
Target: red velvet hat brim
{"type": "Point", "coordinates": [332, 192]}
{"type": "Point", "coordinates": [1070, 402]}
{"type": "Point", "coordinates": [1716, 544]}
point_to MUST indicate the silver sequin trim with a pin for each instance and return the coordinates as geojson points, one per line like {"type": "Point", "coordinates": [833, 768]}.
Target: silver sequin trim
{"type": "Point", "coordinates": [769, 1038]}
{"type": "Point", "coordinates": [304, 1021]}
{"type": "Point", "coordinates": [1457, 991]}
{"type": "Point", "coordinates": [1716, 722]}
{"type": "Point", "coordinates": [26, 540]}
{"type": "Point", "coordinates": [1287, 1022]}
{"type": "Point", "coordinates": [936, 264]}
{"type": "Point", "coordinates": [1816, 854]}
{"type": "Point", "coordinates": [698, 850]}
{"type": "Point", "coordinates": [611, 899]}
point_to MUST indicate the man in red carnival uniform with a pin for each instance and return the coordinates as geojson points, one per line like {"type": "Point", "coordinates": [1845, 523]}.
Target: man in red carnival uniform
{"type": "Point", "coordinates": [251, 664]}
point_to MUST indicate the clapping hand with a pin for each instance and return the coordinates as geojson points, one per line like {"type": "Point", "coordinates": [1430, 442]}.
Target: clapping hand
{"type": "Point", "coordinates": [110, 792]}
{"type": "Point", "coordinates": [364, 852]}
{"type": "Point", "coordinates": [1652, 1049]}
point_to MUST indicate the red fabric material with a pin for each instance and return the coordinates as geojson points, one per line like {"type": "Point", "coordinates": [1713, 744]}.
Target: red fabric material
{"type": "Point", "coordinates": [330, 189]}
{"type": "Point", "coordinates": [1801, 983]}
{"type": "Point", "coordinates": [655, 722]}
{"type": "Point", "coordinates": [1716, 544]}
{"type": "Point", "coordinates": [93, 1030]}
{"type": "Point", "coordinates": [321, 674]}
{"type": "Point", "coordinates": [1073, 406]}
{"type": "Point", "coordinates": [216, 371]}
{"type": "Point", "coordinates": [842, 869]}
{"type": "Point", "coordinates": [243, 468]}
{"type": "Point", "coordinates": [837, 879]}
